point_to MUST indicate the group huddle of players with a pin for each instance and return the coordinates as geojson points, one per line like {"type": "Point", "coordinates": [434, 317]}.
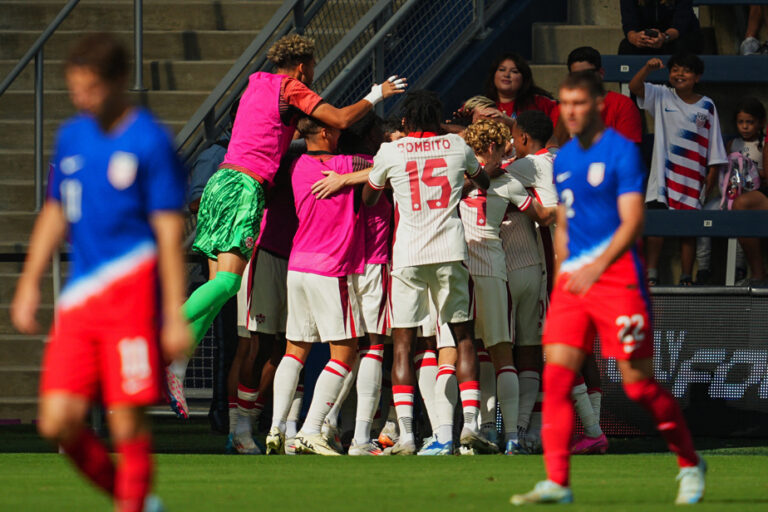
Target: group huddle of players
{"type": "Point", "coordinates": [436, 241]}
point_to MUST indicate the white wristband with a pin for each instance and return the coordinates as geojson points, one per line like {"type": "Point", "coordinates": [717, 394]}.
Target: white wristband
{"type": "Point", "coordinates": [375, 96]}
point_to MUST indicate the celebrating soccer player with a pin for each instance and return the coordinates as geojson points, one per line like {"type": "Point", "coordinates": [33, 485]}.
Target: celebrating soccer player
{"type": "Point", "coordinates": [600, 289]}
{"type": "Point", "coordinates": [116, 190]}
{"type": "Point", "coordinates": [426, 172]}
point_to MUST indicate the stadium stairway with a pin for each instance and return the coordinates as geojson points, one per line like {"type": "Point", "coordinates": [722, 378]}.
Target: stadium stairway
{"type": "Point", "coordinates": [188, 46]}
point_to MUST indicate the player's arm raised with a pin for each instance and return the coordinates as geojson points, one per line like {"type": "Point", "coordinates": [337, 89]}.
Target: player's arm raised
{"type": "Point", "coordinates": [632, 217]}
{"type": "Point", "coordinates": [49, 231]}
{"type": "Point", "coordinates": [343, 118]}
{"type": "Point", "coordinates": [168, 227]}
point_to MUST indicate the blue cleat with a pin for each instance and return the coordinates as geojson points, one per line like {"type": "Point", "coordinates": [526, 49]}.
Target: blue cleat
{"type": "Point", "coordinates": [691, 490]}
{"type": "Point", "coordinates": [437, 448]}
{"type": "Point", "coordinates": [513, 448]}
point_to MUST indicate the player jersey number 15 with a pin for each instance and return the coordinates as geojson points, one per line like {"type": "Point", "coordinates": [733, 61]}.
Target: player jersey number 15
{"type": "Point", "coordinates": [430, 180]}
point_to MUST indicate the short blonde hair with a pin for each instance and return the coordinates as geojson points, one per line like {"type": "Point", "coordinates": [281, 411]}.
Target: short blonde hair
{"type": "Point", "coordinates": [478, 101]}
{"type": "Point", "coordinates": [484, 132]}
{"type": "Point", "coordinates": [291, 50]}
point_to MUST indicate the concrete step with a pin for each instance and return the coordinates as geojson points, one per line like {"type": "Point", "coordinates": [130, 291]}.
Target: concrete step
{"type": "Point", "coordinates": [18, 410]}
{"type": "Point", "coordinates": [158, 74]}
{"type": "Point", "coordinates": [16, 195]}
{"type": "Point", "coordinates": [18, 164]}
{"type": "Point", "coordinates": [20, 105]}
{"type": "Point", "coordinates": [605, 13]}
{"type": "Point", "coordinates": [158, 14]}
{"type": "Point", "coordinates": [553, 42]}
{"type": "Point", "coordinates": [21, 350]}
{"type": "Point", "coordinates": [16, 229]}
{"type": "Point", "coordinates": [15, 134]}
{"type": "Point", "coordinates": [8, 282]}
{"type": "Point", "coordinates": [549, 76]}
{"type": "Point", "coordinates": [158, 44]}
{"type": "Point", "coordinates": [44, 318]}
{"type": "Point", "coordinates": [19, 381]}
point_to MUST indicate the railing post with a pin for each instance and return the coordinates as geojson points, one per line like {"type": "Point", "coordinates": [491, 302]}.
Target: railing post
{"type": "Point", "coordinates": [298, 17]}
{"type": "Point", "coordinates": [39, 164]}
{"type": "Point", "coordinates": [138, 45]}
{"type": "Point", "coordinates": [378, 64]}
{"type": "Point", "coordinates": [480, 14]}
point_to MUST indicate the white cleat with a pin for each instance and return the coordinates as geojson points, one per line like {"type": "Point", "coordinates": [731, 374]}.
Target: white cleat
{"type": "Point", "coordinates": [545, 491]}
{"type": "Point", "coordinates": [691, 490]}
{"type": "Point", "coordinates": [245, 445]}
{"type": "Point", "coordinates": [389, 436]}
{"type": "Point", "coordinates": [314, 444]}
{"type": "Point", "coordinates": [153, 504]}
{"type": "Point", "coordinates": [332, 436]}
{"type": "Point", "coordinates": [477, 442]}
{"type": "Point", "coordinates": [275, 442]}
{"type": "Point", "coordinates": [290, 446]}
{"type": "Point", "coordinates": [401, 448]}
{"type": "Point", "coordinates": [369, 448]}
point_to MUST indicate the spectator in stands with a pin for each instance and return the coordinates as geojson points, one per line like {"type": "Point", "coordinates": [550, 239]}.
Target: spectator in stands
{"type": "Point", "coordinates": [687, 148]}
{"type": "Point", "coordinates": [619, 112]}
{"type": "Point", "coordinates": [758, 16]}
{"type": "Point", "coordinates": [659, 27]}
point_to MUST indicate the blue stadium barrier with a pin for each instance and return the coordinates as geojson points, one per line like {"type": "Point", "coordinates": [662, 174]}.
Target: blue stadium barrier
{"type": "Point", "coordinates": [717, 68]}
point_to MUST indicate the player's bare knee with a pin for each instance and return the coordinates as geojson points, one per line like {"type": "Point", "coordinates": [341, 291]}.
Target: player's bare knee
{"type": "Point", "coordinates": [126, 423]}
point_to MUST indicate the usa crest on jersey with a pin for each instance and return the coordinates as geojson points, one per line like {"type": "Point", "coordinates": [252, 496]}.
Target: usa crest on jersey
{"type": "Point", "coordinates": [596, 173]}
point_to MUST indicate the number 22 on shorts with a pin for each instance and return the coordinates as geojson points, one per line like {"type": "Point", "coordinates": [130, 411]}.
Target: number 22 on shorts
{"type": "Point", "coordinates": [430, 180]}
{"type": "Point", "coordinates": [630, 331]}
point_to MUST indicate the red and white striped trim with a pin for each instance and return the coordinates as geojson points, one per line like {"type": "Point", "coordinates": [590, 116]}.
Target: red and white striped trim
{"type": "Point", "coordinates": [446, 369]}
{"type": "Point", "coordinates": [336, 367]}
{"type": "Point", "coordinates": [506, 369]}
{"type": "Point", "coordinates": [425, 358]}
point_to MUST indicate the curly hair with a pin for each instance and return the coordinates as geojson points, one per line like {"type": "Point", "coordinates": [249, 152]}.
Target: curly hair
{"type": "Point", "coordinates": [484, 132]}
{"type": "Point", "coordinates": [291, 50]}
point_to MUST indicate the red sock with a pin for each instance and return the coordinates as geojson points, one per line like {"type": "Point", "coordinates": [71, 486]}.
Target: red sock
{"type": "Point", "coordinates": [557, 421]}
{"type": "Point", "coordinates": [92, 459]}
{"type": "Point", "coordinates": [134, 473]}
{"type": "Point", "coordinates": [668, 417]}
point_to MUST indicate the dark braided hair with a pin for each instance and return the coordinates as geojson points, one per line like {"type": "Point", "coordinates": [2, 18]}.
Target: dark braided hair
{"type": "Point", "coordinates": [752, 106]}
{"type": "Point", "coordinates": [422, 111]}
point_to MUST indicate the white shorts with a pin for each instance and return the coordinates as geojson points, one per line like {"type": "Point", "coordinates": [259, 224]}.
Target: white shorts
{"type": "Point", "coordinates": [372, 290]}
{"type": "Point", "coordinates": [322, 308]}
{"type": "Point", "coordinates": [527, 307]}
{"type": "Point", "coordinates": [429, 327]}
{"type": "Point", "coordinates": [489, 306]}
{"type": "Point", "coordinates": [444, 337]}
{"type": "Point", "coordinates": [262, 301]}
{"type": "Point", "coordinates": [446, 283]}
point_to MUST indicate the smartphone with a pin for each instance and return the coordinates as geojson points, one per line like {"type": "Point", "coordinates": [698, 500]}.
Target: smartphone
{"type": "Point", "coordinates": [650, 32]}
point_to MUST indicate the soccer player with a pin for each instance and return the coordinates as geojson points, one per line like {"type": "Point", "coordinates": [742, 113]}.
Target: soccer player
{"type": "Point", "coordinates": [322, 305]}
{"type": "Point", "coordinates": [233, 201]}
{"type": "Point", "coordinates": [600, 289]}
{"type": "Point", "coordinates": [426, 172]}
{"type": "Point", "coordinates": [116, 190]}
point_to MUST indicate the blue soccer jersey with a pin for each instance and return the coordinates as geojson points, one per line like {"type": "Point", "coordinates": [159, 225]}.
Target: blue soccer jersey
{"type": "Point", "coordinates": [589, 183]}
{"type": "Point", "coordinates": [109, 184]}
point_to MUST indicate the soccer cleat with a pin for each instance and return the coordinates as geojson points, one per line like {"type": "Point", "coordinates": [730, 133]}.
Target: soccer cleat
{"type": "Point", "coordinates": [531, 442]}
{"type": "Point", "coordinates": [245, 445]}
{"type": "Point", "coordinates": [477, 442]}
{"type": "Point", "coordinates": [314, 444]}
{"type": "Point", "coordinates": [290, 446]}
{"type": "Point", "coordinates": [513, 448]}
{"type": "Point", "coordinates": [275, 442]}
{"type": "Point", "coordinates": [691, 490]}
{"type": "Point", "coordinates": [545, 491]}
{"type": "Point", "coordinates": [176, 397]}
{"type": "Point", "coordinates": [331, 435]}
{"type": "Point", "coordinates": [490, 433]}
{"type": "Point", "coordinates": [401, 448]}
{"type": "Point", "coordinates": [388, 436]}
{"type": "Point", "coordinates": [153, 504]}
{"type": "Point", "coordinates": [584, 445]}
{"type": "Point", "coordinates": [369, 448]}
{"type": "Point", "coordinates": [437, 448]}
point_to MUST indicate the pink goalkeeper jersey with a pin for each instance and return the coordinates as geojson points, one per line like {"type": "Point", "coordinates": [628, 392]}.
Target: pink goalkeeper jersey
{"type": "Point", "coordinates": [279, 222]}
{"type": "Point", "coordinates": [330, 236]}
{"type": "Point", "coordinates": [378, 226]}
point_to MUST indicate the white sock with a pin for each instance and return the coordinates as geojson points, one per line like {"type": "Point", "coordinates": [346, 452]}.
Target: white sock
{"type": "Point", "coordinates": [402, 396]}
{"type": "Point", "coordinates": [487, 378]}
{"type": "Point", "coordinates": [327, 391]}
{"type": "Point", "coordinates": [292, 423]}
{"type": "Point", "coordinates": [584, 410]}
{"type": "Point", "coordinates": [384, 404]}
{"type": "Point", "coordinates": [470, 403]}
{"type": "Point", "coordinates": [508, 389]}
{"type": "Point", "coordinates": [286, 380]}
{"type": "Point", "coordinates": [233, 415]}
{"type": "Point", "coordinates": [446, 398]}
{"type": "Point", "coordinates": [595, 398]}
{"type": "Point", "coordinates": [368, 390]}
{"type": "Point", "coordinates": [246, 405]}
{"type": "Point", "coordinates": [333, 415]}
{"type": "Point", "coordinates": [178, 367]}
{"type": "Point", "coordinates": [425, 363]}
{"type": "Point", "coordinates": [530, 381]}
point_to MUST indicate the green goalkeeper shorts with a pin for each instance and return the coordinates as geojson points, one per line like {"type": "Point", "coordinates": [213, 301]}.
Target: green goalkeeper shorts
{"type": "Point", "coordinates": [230, 214]}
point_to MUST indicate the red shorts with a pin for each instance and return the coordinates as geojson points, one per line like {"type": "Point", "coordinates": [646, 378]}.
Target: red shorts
{"type": "Point", "coordinates": [109, 344]}
{"type": "Point", "coordinates": [617, 307]}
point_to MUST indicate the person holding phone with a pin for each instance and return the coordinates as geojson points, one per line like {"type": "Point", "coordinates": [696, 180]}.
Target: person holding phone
{"type": "Point", "coordinates": [659, 27]}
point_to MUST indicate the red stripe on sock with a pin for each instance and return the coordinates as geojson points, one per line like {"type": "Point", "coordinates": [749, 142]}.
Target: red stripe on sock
{"type": "Point", "coordinates": [374, 356]}
{"type": "Point", "coordinates": [594, 390]}
{"type": "Point", "coordinates": [333, 371]}
{"type": "Point", "coordinates": [396, 390]}
{"type": "Point", "coordinates": [346, 367]}
{"type": "Point", "coordinates": [506, 370]}
{"type": "Point", "coordinates": [446, 372]}
{"type": "Point", "coordinates": [470, 403]}
{"type": "Point", "coordinates": [470, 384]}
{"type": "Point", "coordinates": [295, 358]}
{"type": "Point", "coordinates": [403, 403]}
{"type": "Point", "coordinates": [246, 389]}
{"type": "Point", "coordinates": [246, 404]}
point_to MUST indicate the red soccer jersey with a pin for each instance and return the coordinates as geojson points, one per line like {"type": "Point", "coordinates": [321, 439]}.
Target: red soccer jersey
{"type": "Point", "coordinates": [621, 114]}
{"type": "Point", "coordinates": [540, 102]}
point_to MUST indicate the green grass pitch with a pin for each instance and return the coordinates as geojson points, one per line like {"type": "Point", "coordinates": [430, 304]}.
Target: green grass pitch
{"type": "Point", "coordinates": [625, 482]}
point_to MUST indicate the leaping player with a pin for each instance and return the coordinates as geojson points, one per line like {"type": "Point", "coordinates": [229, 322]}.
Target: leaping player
{"type": "Point", "coordinates": [600, 289]}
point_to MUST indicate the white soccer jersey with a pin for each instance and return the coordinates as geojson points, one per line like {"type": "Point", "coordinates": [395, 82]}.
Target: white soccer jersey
{"type": "Point", "coordinates": [519, 241]}
{"type": "Point", "coordinates": [427, 176]}
{"type": "Point", "coordinates": [536, 171]}
{"type": "Point", "coordinates": [481, 213]}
